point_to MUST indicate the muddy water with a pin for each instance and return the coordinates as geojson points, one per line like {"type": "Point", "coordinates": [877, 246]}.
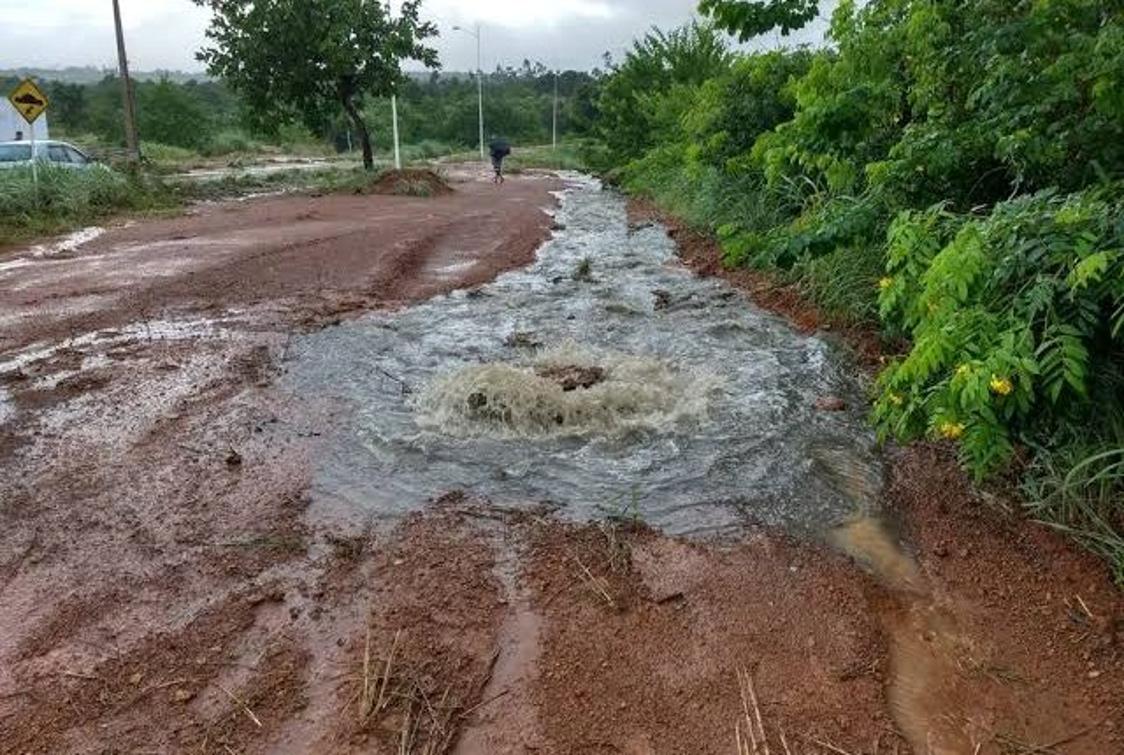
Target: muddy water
{"type": "Point", "coordinates": [929, 653]}
{"type": "Point", "coordinates": [691, 407]}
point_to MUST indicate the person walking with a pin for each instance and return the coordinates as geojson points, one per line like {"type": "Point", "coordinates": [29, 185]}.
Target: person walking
{"type": "Point", "coordinates": [499, 148]}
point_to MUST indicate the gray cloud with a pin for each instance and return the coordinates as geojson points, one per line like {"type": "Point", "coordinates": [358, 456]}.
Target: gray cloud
{"type": "Point", "coordinates": [172, 30]}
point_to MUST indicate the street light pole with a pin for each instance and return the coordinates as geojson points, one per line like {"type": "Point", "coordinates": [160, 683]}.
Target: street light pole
{"type": "Point", "coordinates": [480, 92]}
{"type": "Point", "coordinates": [131, 142]}
{"type": "Point", "coordinates": [479, 84]}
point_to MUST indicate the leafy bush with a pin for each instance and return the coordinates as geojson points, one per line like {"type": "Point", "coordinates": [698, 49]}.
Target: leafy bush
{"type": "Point", "coordinates": [166, 153]}
{"type": "Point", "coordinates": [954, 167]}
{"type": "Point", "coordinates": [228, 142]}
{"type": "Point", "coordinates": [1017, 322]}
{"type": "Point", "coordinates": [733, 109]}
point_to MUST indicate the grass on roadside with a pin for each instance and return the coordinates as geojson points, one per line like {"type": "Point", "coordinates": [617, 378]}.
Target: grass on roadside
{"type": "Point", "coordinates": [64, 199]}
{"type": "Point", "coordinates": [1079, 490]}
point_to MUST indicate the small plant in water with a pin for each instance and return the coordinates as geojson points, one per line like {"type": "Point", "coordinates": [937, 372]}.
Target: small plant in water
{"type": "Point", "coordinates": [584, 270]}
{"type": "Point", "coordinates": [620, 513]}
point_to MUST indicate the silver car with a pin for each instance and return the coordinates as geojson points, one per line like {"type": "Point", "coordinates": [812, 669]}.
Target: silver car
{"type": "Point", "coordinates": [18, 154]}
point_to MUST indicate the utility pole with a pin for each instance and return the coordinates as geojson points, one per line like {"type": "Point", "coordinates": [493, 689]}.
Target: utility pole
{"type": "Point", "coordinates": [479, 84]}
{"type": "Point", "coordinates": [480, 92]}
{"type": "Point", "coordinates": [131, 142]}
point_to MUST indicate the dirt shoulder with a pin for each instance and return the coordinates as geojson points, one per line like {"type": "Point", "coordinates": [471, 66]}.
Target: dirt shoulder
{"type": "Point", "coordinates": [168, 583]}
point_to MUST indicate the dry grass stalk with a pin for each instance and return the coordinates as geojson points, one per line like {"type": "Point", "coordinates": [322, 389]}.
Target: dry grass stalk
{"type": "Point", "coordinates": [758, 740]}
{"type": "Point", "coordinates": [593, 583]}
{"type": "Point", "coordinates": [381, 702]}
{"type": "Point", "coordinates": [784, 744]}
{"type": "Point", "coordinates": [244, 706]}
{"type": "Point", "coordinates": [429, 724]}
{"type": "Point", "coordinates": [1023, 748]}
{"type": "Point", "coordinates": [827, 746]}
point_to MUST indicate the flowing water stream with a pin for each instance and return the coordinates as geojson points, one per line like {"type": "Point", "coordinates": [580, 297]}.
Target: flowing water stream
{"type": "Point", "coordinates": [604, 378]}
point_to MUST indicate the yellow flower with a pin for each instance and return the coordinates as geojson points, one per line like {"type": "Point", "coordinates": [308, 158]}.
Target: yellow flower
{"type": "Point", "coordinates": [951, 430]}
{"type": "Point", "coordinates": [1001, 386]}
{"type": "Point", "coordinates": [896, 399]}
{"type": "Point", "coordinates": [885, 283]}
{"type": "Point", "coordinates": [963, 371]}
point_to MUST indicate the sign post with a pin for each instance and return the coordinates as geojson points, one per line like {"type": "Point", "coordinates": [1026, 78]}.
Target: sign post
{"type": "Point", "coordinates": [30, 102]}
{"type": "Point", "coordinates": [34, 159]}
{"type": "Point", "coordinates": [394, 115]}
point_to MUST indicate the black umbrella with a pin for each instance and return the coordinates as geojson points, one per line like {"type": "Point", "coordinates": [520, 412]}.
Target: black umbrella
{"type": "Point", "coordinates": [499, 147]}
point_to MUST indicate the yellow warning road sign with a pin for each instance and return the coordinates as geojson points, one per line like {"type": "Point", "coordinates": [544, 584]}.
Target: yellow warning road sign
{"type": "Point", "coordinates": [29, 100]}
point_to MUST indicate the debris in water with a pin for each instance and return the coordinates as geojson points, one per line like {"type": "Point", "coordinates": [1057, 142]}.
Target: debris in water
{"type": "Point", "coordinates": [831, 404]}
{"type": "Point", "coordinates": [571, 377]}
{"type": "Point", "coordinates": [233, 459]}
{"type": "Point", "coordinates": [663, 299]}
{"type": "Point", "coordinates": [523, 339]}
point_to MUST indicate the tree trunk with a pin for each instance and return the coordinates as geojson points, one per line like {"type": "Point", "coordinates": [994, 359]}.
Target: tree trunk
{"type": "Point", "coordinates": [361, 127]}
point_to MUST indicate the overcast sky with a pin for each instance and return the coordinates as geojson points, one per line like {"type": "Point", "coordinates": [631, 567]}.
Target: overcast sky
{"type": "Point", "coordinates": [164, 34]}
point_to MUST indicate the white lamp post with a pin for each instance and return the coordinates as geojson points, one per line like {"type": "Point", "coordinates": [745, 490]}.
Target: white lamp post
{"type": "Point", "coordinates": [479, 83]}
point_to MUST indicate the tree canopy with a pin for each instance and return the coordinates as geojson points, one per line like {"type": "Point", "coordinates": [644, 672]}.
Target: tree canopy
{"type": "Point", "coordinates": [305, 59]}
{"type": "Point", "coordinates": [748, 18]}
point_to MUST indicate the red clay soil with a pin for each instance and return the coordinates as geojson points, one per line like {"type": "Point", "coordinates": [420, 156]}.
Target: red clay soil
{"type": "Point", "coordinates": [170, 583]}
{"type": "Point", "coordinates": [410, 182]}
{"type": "Point", "coordinates": [304, 261]}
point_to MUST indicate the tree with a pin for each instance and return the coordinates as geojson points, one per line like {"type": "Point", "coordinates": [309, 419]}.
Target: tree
{"type": "Point", "coordinates": [303, 59]}
{"type": "Point", "coordinates": [637, 96]}
{"type": "Point", "coordinates": [68, 105]}
{"type": "Point", "coordinates": [749, 18]}
{"type": "Point", "coordinates": [168, 114]}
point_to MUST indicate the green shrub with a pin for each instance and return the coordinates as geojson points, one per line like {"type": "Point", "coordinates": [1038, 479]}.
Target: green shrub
{"type": "Point", "coordinates": [230, 142]}
{"type": "Point", "coordinates": [1017, 322]}
{"type": "Point", "coordinates": [166, 153]}
{"type": "Point", "coordinates": [1004, 119]}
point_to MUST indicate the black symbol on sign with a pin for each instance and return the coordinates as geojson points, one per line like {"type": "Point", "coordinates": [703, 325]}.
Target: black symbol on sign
{"type": "Point", "coordinates": [27, 98]}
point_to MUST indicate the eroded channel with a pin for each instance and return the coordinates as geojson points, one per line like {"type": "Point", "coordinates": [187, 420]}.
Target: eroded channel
{"type": "Point", "coordinates": [605, 378]}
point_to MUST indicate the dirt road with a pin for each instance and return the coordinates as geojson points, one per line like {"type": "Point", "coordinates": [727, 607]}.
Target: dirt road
{"type": "Point", "coordinates": [169, 584]}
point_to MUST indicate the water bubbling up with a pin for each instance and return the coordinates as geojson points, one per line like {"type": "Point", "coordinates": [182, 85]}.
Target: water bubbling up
{"type": "Point", "coordinates": [527, 398]}
{"type": "Point", "coordinates": [662, 388]}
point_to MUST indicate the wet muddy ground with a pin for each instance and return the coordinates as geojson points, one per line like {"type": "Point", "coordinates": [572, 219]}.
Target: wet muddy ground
{"type": "Point", "coordinates": [179, 571]}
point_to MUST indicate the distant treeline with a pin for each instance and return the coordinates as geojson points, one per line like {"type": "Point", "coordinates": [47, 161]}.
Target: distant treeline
{"type": "Point", "coordinates": [205, 116]}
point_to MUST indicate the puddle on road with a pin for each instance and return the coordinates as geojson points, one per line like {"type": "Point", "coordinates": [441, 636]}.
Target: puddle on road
{"type": "Point", "coordinates": [142, 331]}
{"type": "Point", "coordinates": [703, 417]}
{"type": "Point", "coordinates": [68, 243]}
{"type": "Point", "coordinates": [7, 408]}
